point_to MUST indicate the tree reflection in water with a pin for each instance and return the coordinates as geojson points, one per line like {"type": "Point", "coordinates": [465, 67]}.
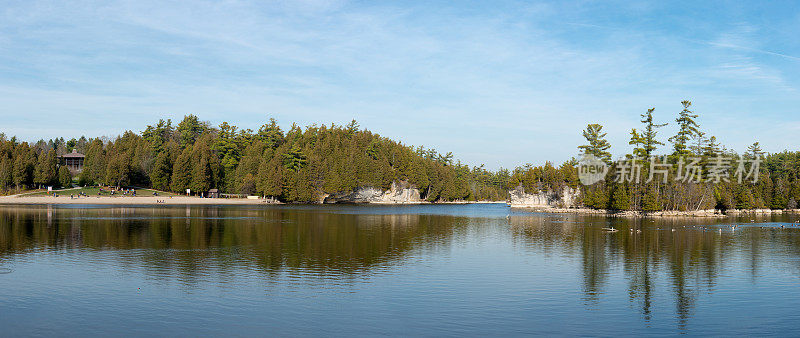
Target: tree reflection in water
{"type": "Point", "coordinates": [690, 252]}
{"type": "Point", "coordinates": [194, 242]}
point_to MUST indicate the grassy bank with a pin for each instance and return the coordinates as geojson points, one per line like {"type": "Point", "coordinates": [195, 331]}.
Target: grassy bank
{"type": "Point", "coordinates": [97, 191]}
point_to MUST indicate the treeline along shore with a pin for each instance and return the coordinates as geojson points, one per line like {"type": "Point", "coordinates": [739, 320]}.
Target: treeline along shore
{"type": "Point", "coordinates": [306, 165]}
{"type": "Point", "coordinates": [299, 165]}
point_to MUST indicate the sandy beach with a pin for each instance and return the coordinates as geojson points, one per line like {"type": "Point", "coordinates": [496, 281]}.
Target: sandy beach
{"type": "Point", "coordinates": [144, 200]}
{"type": "Point", "coordinates": [175, 200]}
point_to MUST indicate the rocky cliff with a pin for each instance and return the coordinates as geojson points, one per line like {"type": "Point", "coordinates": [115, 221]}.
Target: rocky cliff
{"type": "Point", "coordinates": [398, 193]}
{"type": "Point", "coordinates": [567, 198]}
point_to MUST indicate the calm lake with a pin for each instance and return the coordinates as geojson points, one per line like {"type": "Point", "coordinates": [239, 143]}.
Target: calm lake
{"type": "Point", "coordinates": [429, 270]}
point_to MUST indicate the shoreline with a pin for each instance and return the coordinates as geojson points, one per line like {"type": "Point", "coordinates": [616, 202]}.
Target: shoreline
{"type": "Point", "coordinates": [191, 200]}
{"type": "Point", "coordinates": [128, 200]}
{"type": "Point", "coordinates": [711, 213]}
{"type": "Point", "coordinates": [186, 200]}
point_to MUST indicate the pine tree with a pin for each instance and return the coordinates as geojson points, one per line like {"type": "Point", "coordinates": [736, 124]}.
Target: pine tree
{"type": "Point", "coordinates": [190, 129]}
{"type": "Point", "coordinates": [419, 175]}
{"type": "Point", "coordinates": [71, 144]}
{"type": "Point", "coordinates": [269, 181]}
{"type": "Point", "coordinates": [182, 171]}
{"type": "Point", "coordinates": [651, 200]}
{"type": "Point", "coordinates": [45, 172]}
{"type": "Point", "coordinates": [94, 166]}
{"type": "Point", "coordinates": [158, 135]}
{"type": "Point", "coordinates": [83, 145]}
{"type": "Point", "coordinates": [596, 197]}
{"type": "Point", "coordinates": [229, 145]}
{"type": "Point", "coordinates": [161, 172]}
{"type": "Point", "coordinates": [294, 160]}
{"type": "Point", "coordinates": [687, 130]}
{"type": "Point", "coordinates": [649, 134]}
{"type": "Point", "coordinates": [6, 172]}
{"type": "Point", "coordinates": [119, 170]}
{"type": "Point", "coordinates": [270, 134]}
{"type": "Point", "coordinates": [352, 128]}
{"type": "Point", "coordinates": [638, 141]}
{"type": "Point", "coordinates": [779, 195]}
{"type": "Point", "coordinates": [753, 151]}
{"type": "Point", "coordinates": [201, 174]}
{"type": "Point", "coordinates": [794, 193]}
{"type": "Point", "coordinates": [24, 161]}
{"type": "Point", "coordinates": [598, 146]}
{"type": "Point", "coordinates": [711, 148]}
{"type": "Point", "coordinates": [246, 173]}
{"type": "Point", "coordinates": [620, 199]}
{"type": "Point", "coordinates": [64, 177]}
{"type": "Point", "coordinates": [699, 142]}
{"type": "Point", "coordinates": [724, 197]}
{"type": "Point", "coordinates": [744, 198]}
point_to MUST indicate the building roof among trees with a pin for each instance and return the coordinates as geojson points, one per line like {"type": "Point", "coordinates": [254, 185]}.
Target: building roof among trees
{"type": "Point", "coordinates": [73, 154]}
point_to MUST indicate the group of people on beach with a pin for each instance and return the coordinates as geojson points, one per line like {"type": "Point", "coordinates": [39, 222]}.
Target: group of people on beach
{"type": "Point", "coordinates": [125, 192]}
{"type": "Point", "coordinates": [80, 194]}
{"type": "Point", "coordinates": [100, 191]}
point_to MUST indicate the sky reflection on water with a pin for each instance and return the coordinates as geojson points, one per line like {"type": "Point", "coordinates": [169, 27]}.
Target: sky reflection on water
{"type": "Point", "coordinates": [370, 270]}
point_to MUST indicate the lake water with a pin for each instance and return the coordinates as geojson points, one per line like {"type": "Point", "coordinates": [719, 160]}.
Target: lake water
{"type": "Point", "coordinates": [429, 270]}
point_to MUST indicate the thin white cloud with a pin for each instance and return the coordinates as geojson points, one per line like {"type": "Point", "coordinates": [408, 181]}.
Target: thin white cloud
{"type": "Point", "coordinates": [516, 85]}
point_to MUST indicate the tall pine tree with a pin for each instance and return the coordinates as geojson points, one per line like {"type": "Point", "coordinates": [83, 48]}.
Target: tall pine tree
{"type": "Point", "coordinates": [648, 136]}
{"type": "Point", "coordinates": [598, 145]}
{"type": "Point", "coordinates": [687, 130]}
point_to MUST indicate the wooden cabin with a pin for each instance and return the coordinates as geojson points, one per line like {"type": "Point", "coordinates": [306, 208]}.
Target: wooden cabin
{"type": "Point", "coordinates": [73, 161]}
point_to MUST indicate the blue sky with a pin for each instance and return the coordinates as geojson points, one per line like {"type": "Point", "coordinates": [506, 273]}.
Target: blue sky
{"type": "Point", "coordinates": [497, 83]}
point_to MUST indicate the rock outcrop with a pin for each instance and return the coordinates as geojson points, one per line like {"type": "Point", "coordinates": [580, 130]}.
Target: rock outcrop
{"type": "Point", "coordinates": [398, 193]}
{"type": "Point", "coordinates": [742, 212]}
{"type": "Point", "coordinates": [567, 198]}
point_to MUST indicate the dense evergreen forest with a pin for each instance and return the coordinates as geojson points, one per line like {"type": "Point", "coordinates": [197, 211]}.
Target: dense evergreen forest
{"type": "Point", "coordinates": [294, 166]}
{"type": "Point", "coordinates": [300, 165]}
